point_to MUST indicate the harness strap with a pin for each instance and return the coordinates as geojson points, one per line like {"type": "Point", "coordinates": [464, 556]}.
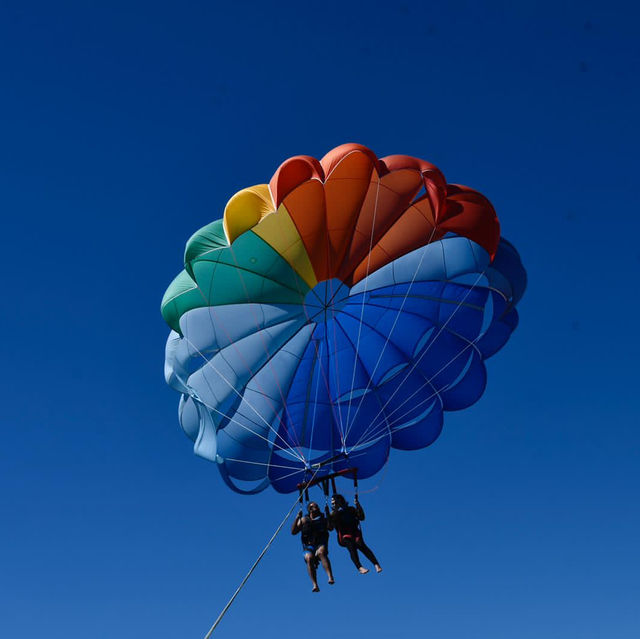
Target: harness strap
{"type": "Point", "coordinates": [325, 489]}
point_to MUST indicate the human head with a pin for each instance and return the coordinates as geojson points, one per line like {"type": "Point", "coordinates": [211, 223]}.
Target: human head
{"type": "Point", "coordinates": [338, 501]}
{"type": "Point", "coordinates": [313, 508]}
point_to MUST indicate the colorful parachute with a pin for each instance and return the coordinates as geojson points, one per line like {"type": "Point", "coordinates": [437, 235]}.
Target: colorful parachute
{"type": "Point", "coordinates": [334, 314]}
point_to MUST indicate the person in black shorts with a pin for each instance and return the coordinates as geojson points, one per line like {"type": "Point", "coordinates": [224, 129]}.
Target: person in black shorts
{"type": "Point", "coordinates": [315, 542]}
{"type": "Point", "coordinates": [346, 521]}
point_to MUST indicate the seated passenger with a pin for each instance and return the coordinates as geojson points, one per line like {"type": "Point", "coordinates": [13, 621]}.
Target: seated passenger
{"type": "Point", "coordinates": [346, 521]}
{"type": "Point", "coordinates": [315, 542]}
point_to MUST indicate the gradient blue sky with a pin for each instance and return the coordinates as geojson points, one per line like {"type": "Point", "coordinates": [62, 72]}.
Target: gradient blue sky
{"type": "Point", "coordinates": [125, 126]}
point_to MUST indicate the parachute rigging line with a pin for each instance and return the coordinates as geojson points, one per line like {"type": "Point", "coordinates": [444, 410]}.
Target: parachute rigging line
{"type": "Point", "coordinates": [232, 343]}
{"type": "Point", "coordinates": [418, 360]}
{"type": "Point", "coordinates": [388, 337]}
{"type": "Point", "coordinates": [266, 350]}
{"type": "Point", "coordinates": [231, 386]}
{"type": "Point", "coordinates": [355, 359]}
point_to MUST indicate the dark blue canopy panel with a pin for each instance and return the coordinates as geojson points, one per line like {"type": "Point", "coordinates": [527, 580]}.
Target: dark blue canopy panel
{"type": "Point", "coordinates": [277, 393]}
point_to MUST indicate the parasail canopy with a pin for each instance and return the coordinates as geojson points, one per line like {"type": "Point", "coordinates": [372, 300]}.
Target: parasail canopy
{"type": "Point", "coordinates": [334, 314]}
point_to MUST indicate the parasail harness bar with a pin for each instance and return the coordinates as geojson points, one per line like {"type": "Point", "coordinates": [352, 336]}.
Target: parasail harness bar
{"type": "Point", "coordinates": [331, 477]}
{"type": "Point", "coordinates": [303, 487]}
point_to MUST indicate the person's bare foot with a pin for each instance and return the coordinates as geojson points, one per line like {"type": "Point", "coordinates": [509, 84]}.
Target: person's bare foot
{"type": "Point", "coordinates": [378, 568]}
{"type": "Point", "coordinates": [362, 570]}
{"type": "Point", "coordinates": [315, 588]}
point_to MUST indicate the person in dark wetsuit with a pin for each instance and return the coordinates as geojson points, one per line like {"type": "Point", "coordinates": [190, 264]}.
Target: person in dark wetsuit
{"type": "Point", "coordinates": [346, 521]}
{"type": "Point", "coordinates": [315, 542]}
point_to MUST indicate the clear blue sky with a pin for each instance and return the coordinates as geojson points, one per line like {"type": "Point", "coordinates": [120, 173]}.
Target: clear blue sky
{"type": "Point", "coordinates": [125, 126]}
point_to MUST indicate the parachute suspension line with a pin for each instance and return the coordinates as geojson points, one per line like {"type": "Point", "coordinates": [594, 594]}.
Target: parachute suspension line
{"type": "Point", "coordinates": [230, 385]}
{"type": "Point", "coordinates": [340, 424]}
{"type": "Point", "coordinates": [388, 338]}
{"type": "Point", "coordinates": [372, 427]}
{"type": "Point", "coordinates": [442, 328]}
{"type": "Point", "coordinates": [253, 432]}
{"type": "Point", "coordinates": [338, 421]}
{"type": "Point", "coordinates": [304, 497]}
{"type": "Point", "coordinates": [396, 420]}
{"type": "Point", "coordinates": [264, 345]}
{"type": "Point", "coordinates": [232, 343]}
{"type": "Point", "coordinates": [325, 374]}
{"type": "Point", "coordinates": [419, 359]}
{"type": "Point", "coordinates": [235, 421]}
{"type": "Point", "coordinates": [294, 472]}
{"type": "Point", "coordinates": [376, 434]}
{"type": "Point", "coordinates": [255, 565]}
{"type": "Point", "coordinates": [325, 490]}
{"type": "Point", "coordinates": [357, 357]}
{"type": "Point", "coordinates": [373, 431]}
{"type": "Point", "coordinates": [267, 464]}
{"type": "Point", "coordinates": [315, 400]}
{"type": "Point", "coordinates": [334, 404]}
{"type": "Point", "coordinates": [364, 295]}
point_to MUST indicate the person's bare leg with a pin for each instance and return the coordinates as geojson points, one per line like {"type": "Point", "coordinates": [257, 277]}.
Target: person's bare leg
{"type": "Point", "coordinates": [350, 545]}
{"type": "Point", "coordinates": [368, 553]}
{"type": "Point", "coordinates": [326, 564]}
{"type": "Point", "coordinates": [311, 569]}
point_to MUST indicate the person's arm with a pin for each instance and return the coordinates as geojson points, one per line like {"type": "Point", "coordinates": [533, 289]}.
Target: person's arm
{"type": "Point", "coordinates": [297, 524]}
{"type": "Point", "coordinates": [330, 522]}
{"type": "Point", "coordinates": [359, 510]}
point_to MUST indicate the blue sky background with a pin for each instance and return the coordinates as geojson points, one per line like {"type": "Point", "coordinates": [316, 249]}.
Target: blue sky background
{"type": "Point", "coordinates": [127, 126]}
